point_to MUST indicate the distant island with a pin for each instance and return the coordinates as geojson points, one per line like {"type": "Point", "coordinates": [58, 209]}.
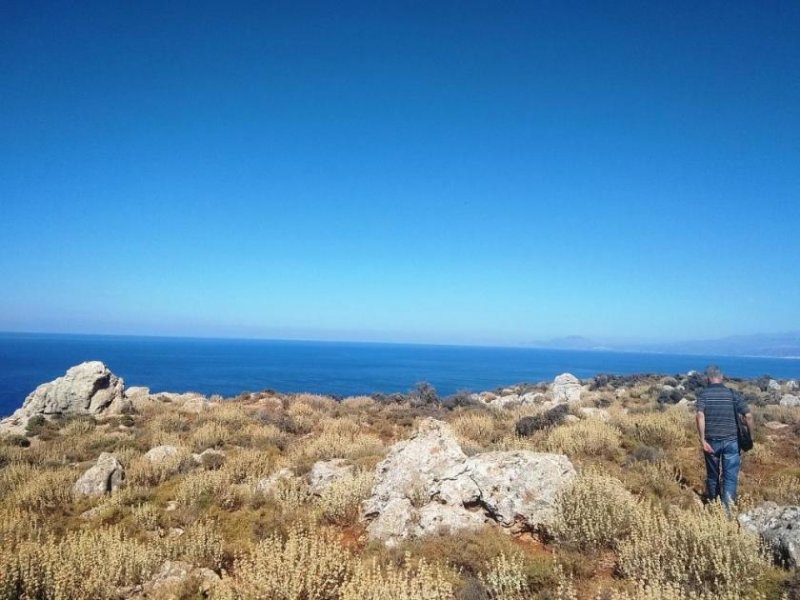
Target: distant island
{"type": "Point", "coordinates": [780, 345]}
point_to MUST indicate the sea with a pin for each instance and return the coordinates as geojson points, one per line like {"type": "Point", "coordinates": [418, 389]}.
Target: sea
{"type": "Point", "coordinates": [231, 366]}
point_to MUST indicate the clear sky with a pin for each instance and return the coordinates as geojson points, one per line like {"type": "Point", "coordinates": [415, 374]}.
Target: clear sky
{"type": "Point", "coordinates": [429, 171]}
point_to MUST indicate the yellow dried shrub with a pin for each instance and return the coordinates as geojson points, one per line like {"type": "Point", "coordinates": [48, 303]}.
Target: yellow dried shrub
{"type": "Point", "coordinates": [371, 581]}
{"type": "Point", "coordinates": [699, 550]}
{"type": "Point", "coordinates": [301, 565]}
{"type": "Point", "coordinates": [670, 428]}
{"type": "Point", "coordinates": [506, 578]}
{"type": "Point", "coordinates": [79, 564]}
{"type": "Point", "coordinates": [209, 435]}
{"type": "Point", "coordinates": [588, 437]}
{"type": "Point", "coordinates": [594, 511]}
{"type": "Point", "coordinates": [339, 502]}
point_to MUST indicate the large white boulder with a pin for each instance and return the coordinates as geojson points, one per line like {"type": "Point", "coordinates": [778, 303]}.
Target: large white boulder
{"type": "Point", "coordinates": [89, 388]}
{"type": "Point", "coordinates": [103, 478]}
{"type": "Point", "coordinates": [426, 484]}
{"type": "Point", "coordinates": [779, 526]}
{"type": "Point", "coordinates": [566, 388]}
{"type": "Point", "coordinates": [790, 400]}
{"type": "Point", "coordinates": [325, 472]}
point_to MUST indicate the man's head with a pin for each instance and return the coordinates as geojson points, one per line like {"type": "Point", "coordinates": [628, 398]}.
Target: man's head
{"type": "Point", "coordinates": [714, 374]}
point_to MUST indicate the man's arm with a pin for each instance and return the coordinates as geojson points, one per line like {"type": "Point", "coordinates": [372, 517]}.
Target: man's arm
{"type": "Point", "coordinates": [700, 419]}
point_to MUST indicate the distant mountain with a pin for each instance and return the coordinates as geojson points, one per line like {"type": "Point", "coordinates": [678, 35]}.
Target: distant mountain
{"type": "Point", "coordinates": [781, 345]}
{"type": "Point", "coordinates": [572, 342]}
{"type": "Point", "coordinates": [775, 345]}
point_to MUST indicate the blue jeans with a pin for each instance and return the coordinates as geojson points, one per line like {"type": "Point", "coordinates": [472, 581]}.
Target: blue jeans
{"type": "Point", "coordinates": [725, 455]}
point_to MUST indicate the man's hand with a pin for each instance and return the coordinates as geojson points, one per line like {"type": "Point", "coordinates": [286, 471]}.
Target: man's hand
{"type": "Point", "coordinates": [707, 448]}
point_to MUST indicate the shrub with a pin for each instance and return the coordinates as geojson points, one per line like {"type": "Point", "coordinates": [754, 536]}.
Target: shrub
{"type": "Point", "coordinates": [699, 550]}
{"type": "Point", "coordinates": [594, 511]}
{"type": "Point", "coordinates": [340, 501]}
{"type": "Point", "coordinates": [588, 437]}
{"type": "Point", "coordinates": [423, 394]}
{"type": "Point", "coordinates": [527, 426]}
{"type": "Point", "coordinates": [301, 565]}
{"type": "Point", "coordinates": [371, 581]}
{"type": "Point", "coordinates": [667, 429]}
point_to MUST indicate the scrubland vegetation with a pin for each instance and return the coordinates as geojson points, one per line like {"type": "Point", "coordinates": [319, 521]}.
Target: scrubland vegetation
{"type": "Point", "coordinates": [631, 526]}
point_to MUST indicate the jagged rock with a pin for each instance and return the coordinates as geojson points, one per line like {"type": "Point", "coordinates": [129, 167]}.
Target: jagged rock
{"type": "Point", "coordinates": [86, 389]}
{"type": "Point", "coordinates": [566, 388]}
{"type": "Point", "coordinates": [505, 401]}
{"type": "Point", "coordinates": [160, 453]}
{"type": "Point", "coordinates": [175, 574]}
{"type": "Point", "coordinates": [790, 400]}
{"type": "Point", "coordinates": [792, 385]}
{"type": "Point", "coordinates": [103, 478]}
{"type": "Point", "coordinates": [779, 526]}
{"type": "Point", "coordinates": [268, 484]}
{"type": "Point", "coordinates": [139, 397]}
{"type": "Point", "coordinates": [326, 472]}
{"type": "Point", "coordinates": [773, 385]}
{"type": "Point", "coordinates": [589, 412]}
{"type": "Point", "coordinates": [426, 484]}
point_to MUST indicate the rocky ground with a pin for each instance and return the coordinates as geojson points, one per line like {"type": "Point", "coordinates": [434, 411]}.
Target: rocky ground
{"type": "Point", "coordinates": [564, 489]}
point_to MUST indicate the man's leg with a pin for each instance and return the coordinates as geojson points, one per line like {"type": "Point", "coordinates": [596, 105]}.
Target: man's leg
{"type": "Point", "coordinates": [731, 461]}
{"type": "Point", "coordinates": [712, 473]}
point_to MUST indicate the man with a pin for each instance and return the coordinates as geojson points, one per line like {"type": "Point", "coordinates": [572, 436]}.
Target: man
{"type": "Point", "coordinates": [718, 407]}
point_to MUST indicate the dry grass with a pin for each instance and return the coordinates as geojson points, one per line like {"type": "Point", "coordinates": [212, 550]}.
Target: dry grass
{"type": "Point", "coordinates": [627, 528]}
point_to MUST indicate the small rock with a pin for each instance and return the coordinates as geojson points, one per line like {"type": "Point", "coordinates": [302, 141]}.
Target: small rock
{"type": "Point", "coordinates": [160, 453]}
{"type": "Point", "coordinates": [790, 400]}
{"type": "Point", "coordinates": [171, 505]}
{"type": "Point", "coordinates": [792, 385]}
{"type": "Point", "coordinates": [570, 419]}
{"type": "Point", "coordinates": [268, 484]}
{"type": "Point", "coordinates": [779, 526]}
{"type": "Point", "coordinates": [775, 425]}
{"type": "Point", "coordinates": [176, 574]}
{"type": "Point", "coordinates": [566, 388]}
{"type": "Point", "coordinates": [594, 413]}
{"type": "Point", "coordinates": [103, 478]}
{"type": "Point", "coordinates": [773, 385]}
{"type": "Point", "coordinates": [326, 472]}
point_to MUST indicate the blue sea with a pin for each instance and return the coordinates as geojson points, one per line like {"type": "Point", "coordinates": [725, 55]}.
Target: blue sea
{"type": "Point", "coordinates": [228, 367]}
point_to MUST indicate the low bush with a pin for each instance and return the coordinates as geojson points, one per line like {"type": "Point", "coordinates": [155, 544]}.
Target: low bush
{"type": "Point", "coordinates": [527, 426]}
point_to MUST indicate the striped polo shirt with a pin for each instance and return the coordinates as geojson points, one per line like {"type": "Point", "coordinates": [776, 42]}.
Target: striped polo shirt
{"type": "Point", "coordinates": [717, 403]}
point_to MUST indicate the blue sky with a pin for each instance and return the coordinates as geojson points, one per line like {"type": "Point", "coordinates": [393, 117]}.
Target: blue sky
{"type": "Point", "coordinates": [441, 172]}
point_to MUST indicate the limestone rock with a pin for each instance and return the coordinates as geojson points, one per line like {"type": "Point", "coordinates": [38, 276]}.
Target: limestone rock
{"type": "Point", "coordinates": [792, 385]}
{"type": "Point", "coordinates": [775, 425]}
{"type": "Point", "coordinates": [426, 485]}
{"type": "Point", "coordinates": [85, 389]}
{"type": "Point", "coordinates": [103, 478]}
{"type": "Point", "coordinates": [779, 526]}
{"type": "Point", "coordinates": [566, 388]}
{"type": "Point", "coordinates": [160, 453]}
{"type": "Point", "coordinates": [588, 412]}
{"type": "Point", "coordinates": [175, 574]}
{"type": "Point", "coordinates": [773, 385]}
{"type": "Point", "coordinates": [268, 484]}
{"type": "Point", "coordinates": [790, 400]}
{"type": "Point", "coordinates": [518, 487]}
{"type": "Point", "coordinates": [139, 397]}
{"type": "Point", "coordinates": [326, 472]}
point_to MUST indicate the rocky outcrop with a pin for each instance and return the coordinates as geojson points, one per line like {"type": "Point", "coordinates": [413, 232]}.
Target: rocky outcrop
{"type": "Point", "coordinates": [173, 578]}
{"type": "Point", "coordinates": [326, 472]}
{"type": "Point", "coordinates": [268, 484]}
{"type": "Point", "coordinates": [426, 484]}
{"type": "Point", "coordinates": [566, 388]}
{"type": "Point", "coordinates": [790, 400]}
{"type": "Point", "coordinates": [779, 526]}
{"type": "Point", "coordinates": [159, 454]}
{"type": "Point", "coordinates": [103, 478]}
{"type": "Point", "coordinates": [89, 388]}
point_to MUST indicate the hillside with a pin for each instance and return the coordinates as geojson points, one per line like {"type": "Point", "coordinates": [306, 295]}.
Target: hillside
{"type": "Point", "coordinates": [574, 489]}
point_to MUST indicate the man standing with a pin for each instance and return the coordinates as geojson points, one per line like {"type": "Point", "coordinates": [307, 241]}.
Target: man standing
{"type": "Point", "coordinates": [718, 407]}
